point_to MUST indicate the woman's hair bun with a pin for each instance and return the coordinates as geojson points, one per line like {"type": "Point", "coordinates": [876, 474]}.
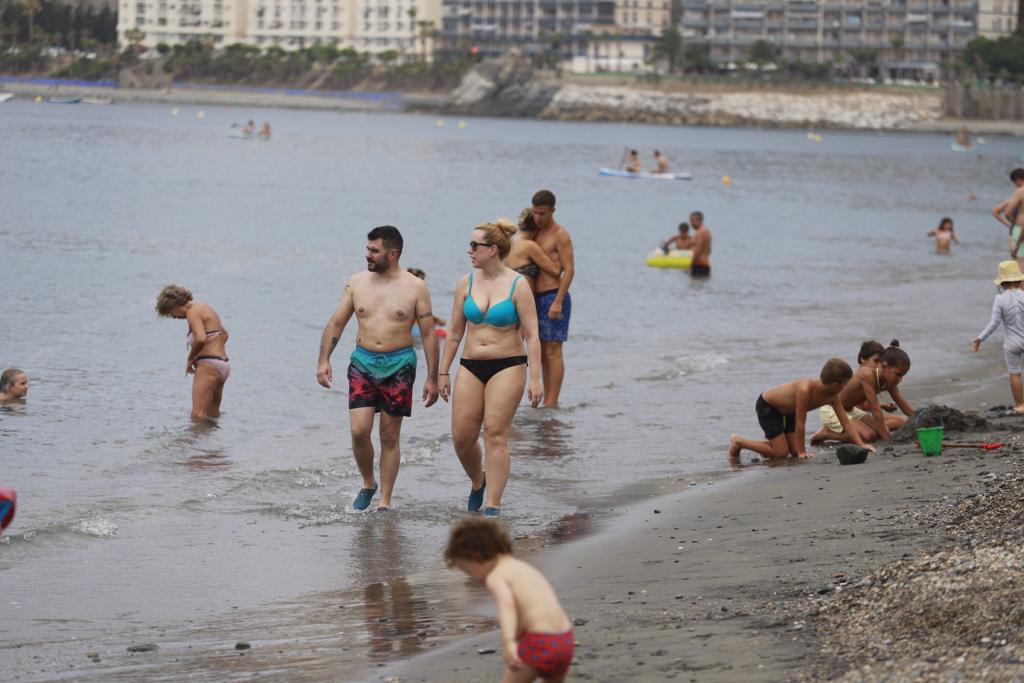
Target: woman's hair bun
{"type": "Point", "coordinates": [507, 226]}
{"type": "Point", "coordinates": [895, 343]}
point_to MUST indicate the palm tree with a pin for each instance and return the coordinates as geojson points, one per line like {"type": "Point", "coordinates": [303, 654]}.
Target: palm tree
{"type": "Point", "coordinates": [31, 9]}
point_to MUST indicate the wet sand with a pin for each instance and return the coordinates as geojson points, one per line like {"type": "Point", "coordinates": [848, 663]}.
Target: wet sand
{"type": "Point", "coordinates": [714, 583]}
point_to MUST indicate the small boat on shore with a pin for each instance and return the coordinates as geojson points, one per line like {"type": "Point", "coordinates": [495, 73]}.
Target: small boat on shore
{"type": "Point", "coordinates": [64, 100]}
{"type": "Point", "coordinates": [6, 96]}
{"type": "Point", "coordinates": [645, 175]}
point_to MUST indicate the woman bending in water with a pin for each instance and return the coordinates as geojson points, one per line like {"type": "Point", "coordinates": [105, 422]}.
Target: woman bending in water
{"type": "Point", "coordinates": [526, 257]}
{"type": "Point", "coordinates": [494, 307]}
{"type": "Point", "coordinates": [207, 358]}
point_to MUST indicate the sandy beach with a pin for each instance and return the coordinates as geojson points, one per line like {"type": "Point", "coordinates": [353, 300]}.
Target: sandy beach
{"type": "Point", "coordinates": [729, 579]}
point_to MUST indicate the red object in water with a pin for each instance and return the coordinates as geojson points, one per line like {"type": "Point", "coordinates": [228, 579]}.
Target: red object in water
{"type": "Point", "coordinates": [8, 501]}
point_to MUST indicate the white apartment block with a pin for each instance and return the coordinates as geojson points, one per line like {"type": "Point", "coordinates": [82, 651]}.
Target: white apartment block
{"type": "Point", "coordinates": [365, 25]}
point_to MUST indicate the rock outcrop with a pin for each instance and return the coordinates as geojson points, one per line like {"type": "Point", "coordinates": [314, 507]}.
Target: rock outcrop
{"type": "Point", "coordinates": [506, 86]}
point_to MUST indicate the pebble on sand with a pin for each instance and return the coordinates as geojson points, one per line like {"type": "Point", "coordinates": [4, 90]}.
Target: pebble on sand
{"type": "Point", "coordinates": [486, 651]}
{"type": "Point", "coordinates": [143, 647]}
{"type": "Point", "coordinates": [242, 645]}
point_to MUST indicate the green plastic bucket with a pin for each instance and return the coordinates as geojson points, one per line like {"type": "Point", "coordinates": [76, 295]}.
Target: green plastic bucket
{"type": "Point", "coordinates": [930, 438]}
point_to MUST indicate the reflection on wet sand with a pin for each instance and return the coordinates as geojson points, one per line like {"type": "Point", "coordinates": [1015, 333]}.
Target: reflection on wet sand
{"type": "Point", "coordinates": [546, 437]}
{"type": "Point", "coordinates": [198, 455]}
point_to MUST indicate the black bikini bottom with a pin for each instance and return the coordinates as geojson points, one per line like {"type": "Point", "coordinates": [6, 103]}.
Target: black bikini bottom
{"type": "Point", "coordinates": [487, 368]}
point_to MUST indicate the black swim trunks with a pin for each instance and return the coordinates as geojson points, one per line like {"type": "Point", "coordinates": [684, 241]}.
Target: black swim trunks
{"type": "Point", "coordinates": [699, 270]}
{"type": "Point", "coordinates": [772, 421]}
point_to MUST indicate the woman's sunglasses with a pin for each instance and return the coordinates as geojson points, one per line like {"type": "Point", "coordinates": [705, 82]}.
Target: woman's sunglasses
{"type": "Point", "coordinates": [473, 244]}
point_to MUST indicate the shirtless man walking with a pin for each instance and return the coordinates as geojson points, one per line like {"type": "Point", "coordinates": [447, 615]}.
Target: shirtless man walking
{"type": "Point", "coordinates": [1008, 213]}
{"type": "Point", "coordinates": [701, 266]}
{"type": "Point", "coordinates": [387, 301]}
{"type": "Point", "coordinates": [554, 305]}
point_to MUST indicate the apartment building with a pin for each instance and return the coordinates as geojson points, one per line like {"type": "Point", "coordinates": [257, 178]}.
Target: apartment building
{"type": "Point", "coordinates": [619, 35]}
{"type": "Point", "coordinates": [365, 25]}
{"type": "Point", "coordinates": [915, 33]}
{"type": "Point", "coordinates": [494, 26]}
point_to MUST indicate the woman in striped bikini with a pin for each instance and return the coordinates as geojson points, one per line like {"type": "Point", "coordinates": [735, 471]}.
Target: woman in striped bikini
{"type": "Point", "coordinates": [207, 358]}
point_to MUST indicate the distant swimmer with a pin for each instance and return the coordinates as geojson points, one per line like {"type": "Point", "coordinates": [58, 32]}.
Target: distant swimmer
{"type": "Point", "coordinates": [207, 358]}
{"type": "Point", "coordinates": [684, 240]}
{"type": "Point", "coordinates": [943, 235]}
{"type": "Point", "coordinates": [265, 130]}
{"type": "Point", "coordinates": [526, 257]}
{"type": "Point", "coordinates": [536, 634]}
{"type": "Point", "coordinates": [662, 163]}
{"type": "Point", "coordinates": [782, 412]}
{"type": "Point", "coordinates": [250, 128]}
{"type": "Point", "coordinates": [963, 138]}
{"type": "Point", "coordinates": [633, 162]}
{"type": "Point", "coordinates": [701, 247]}
{"type": "Point", "coordinates": [1008, 213]}
{"type": "Point", "coordinates": [1008, 309]}
{"type": "Point", "coordinates": [13, 385]}
{"type": "Point", "coordinates": [494, 307]}
{"type": "Point", "coordinates": [387, 301]}
{"type": "Point", "coordinates": [438, 322]}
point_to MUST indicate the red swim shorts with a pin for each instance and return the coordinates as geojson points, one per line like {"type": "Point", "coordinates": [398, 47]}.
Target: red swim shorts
{"type": "Point", "coordinates": [549, 653]}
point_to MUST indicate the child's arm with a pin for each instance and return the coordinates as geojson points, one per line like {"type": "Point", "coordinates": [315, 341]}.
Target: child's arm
{"type": "Point", "coordinates": [803, 394]}
{"type": "Point", "coordinates": [907, 409]}
{"type": "Point", "coordinates": [844, 420]}
{"type": "Point", "coordinates": [508, 618]}
{"type": "Point", "coordinates": [875, 409]}
{"type": "Point", "coordinates": [993, 323]}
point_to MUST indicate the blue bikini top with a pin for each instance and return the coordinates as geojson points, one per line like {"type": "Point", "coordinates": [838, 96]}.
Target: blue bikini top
{"type": "Point", "coordinates": [501, 314]}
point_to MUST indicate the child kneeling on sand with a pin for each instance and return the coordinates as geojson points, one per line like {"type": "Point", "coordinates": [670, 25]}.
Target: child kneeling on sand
{"type": "Point", "coordinates": [536, 634]}
{"type": "Point", "coordinates": [782, 412]}
{"type": "Point", "coordinates": [1008, 309]}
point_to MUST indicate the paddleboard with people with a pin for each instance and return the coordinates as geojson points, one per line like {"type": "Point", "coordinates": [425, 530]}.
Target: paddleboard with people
{"type": "Point", "coordinates": [645, 175]}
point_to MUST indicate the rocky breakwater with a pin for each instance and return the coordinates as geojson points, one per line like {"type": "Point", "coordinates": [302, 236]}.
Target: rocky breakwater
{"type": "Point", "coordinates": [827, 109]}
{"type": "Point", "coordinates": [510, 86]}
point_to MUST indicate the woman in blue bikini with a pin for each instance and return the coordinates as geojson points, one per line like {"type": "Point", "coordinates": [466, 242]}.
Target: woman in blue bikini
{"type": "Point", "coordinates": [495, 310]}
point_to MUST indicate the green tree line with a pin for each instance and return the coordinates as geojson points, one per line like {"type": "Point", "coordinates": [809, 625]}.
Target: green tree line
{"type": "Point", "coordinates": [56, 24]}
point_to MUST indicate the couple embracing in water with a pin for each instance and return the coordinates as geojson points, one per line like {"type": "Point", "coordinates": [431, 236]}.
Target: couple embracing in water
{"type": "Point", "coordinates": [495, 310]}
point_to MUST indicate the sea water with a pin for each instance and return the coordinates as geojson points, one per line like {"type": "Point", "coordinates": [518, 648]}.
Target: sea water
{"type": "Point", "coordinates": [134, 523]}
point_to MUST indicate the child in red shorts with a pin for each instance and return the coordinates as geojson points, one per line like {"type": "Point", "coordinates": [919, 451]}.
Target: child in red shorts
{"type": "Point", "coordinates": [536, 634]}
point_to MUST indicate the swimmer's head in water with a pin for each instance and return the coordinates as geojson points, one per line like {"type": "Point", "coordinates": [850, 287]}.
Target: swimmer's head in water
{"type": "Point", "coordinates": [684, 228]}
{"type": "Point", "coordinates": [383, 248]}
{"type": "Point", "coordinates": [836, 371]}
{"type": "Point", "coordinates": [172, 298]}
{"type": "Point", "coordinates": [14, 383]}
{"type": "Point", "coordinates": [1017, 176]}
{"type": "Point", "coordinates": [895, 364]}
{"type": "Point", "coordinates": [418, 273]}
{"type": "Point", "coordinates": [476, 539]}
{"type": "Point", "coordinates": [946, 223]}
{"type": "Point", "coordinates": [870, 351]}
{"type": "Point", "coordinates": [497, 234]}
